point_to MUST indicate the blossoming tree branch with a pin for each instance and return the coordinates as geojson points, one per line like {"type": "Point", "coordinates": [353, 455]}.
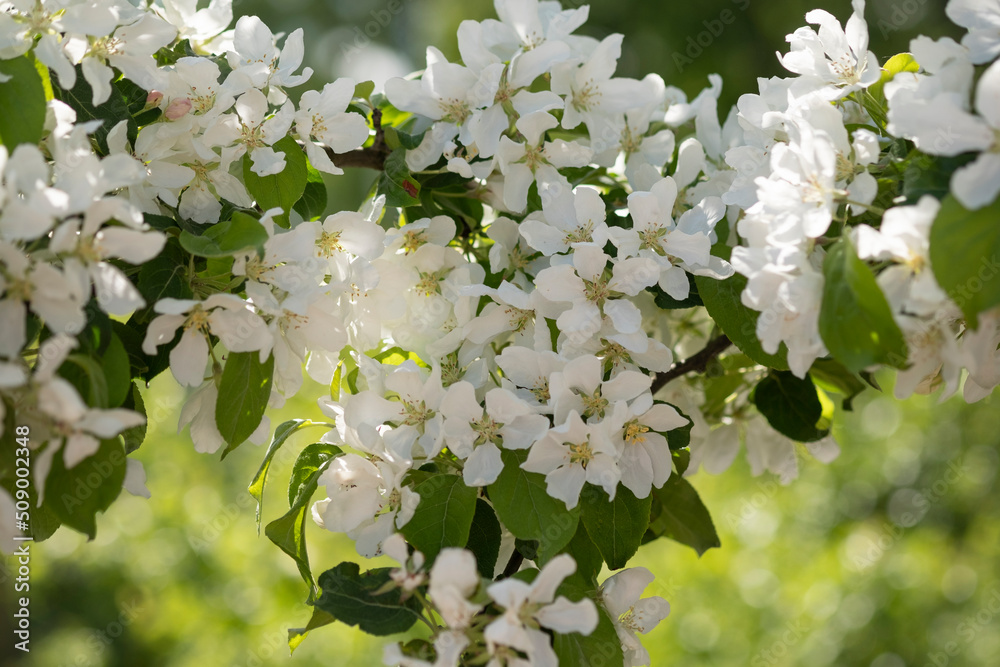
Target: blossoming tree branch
{"type": "Point", "coordinates": [565, 292]}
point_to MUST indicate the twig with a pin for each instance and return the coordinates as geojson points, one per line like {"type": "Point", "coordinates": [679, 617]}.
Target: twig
{"type": "Point", "coordinates": [696, 362]}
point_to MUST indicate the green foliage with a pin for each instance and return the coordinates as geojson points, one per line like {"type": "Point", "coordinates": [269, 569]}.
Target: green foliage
{"type": "Point", "coordinates": [165, 276]}
{"type": "Point", "coordinates": [790, 405]}
{"type": "Point", "coordinates": [362, 600]}
{"type": "Point", "coordinates": [313, 202]}
{"type": "Point", "coordinates": [677, 512]}
{"type": "Point", "coordinates": [855, 320]}
{"type": "Point", "coordinates": [289, 531]}
{"type": "Point", "coordinates": [899, 63]}
{"type": "Point", "coordinates": [224, 239]}
{"type": "Point", "coordinates": [667, 302]}
{"type": "Point", "coordinates": [244, 390]}
{"type": "Point", "coordinates": [615, 526]}
{"type": "Point", "coordinates": [965, 256]}
{"type": "Point", "coordinates": [283, 189]}
{"type": "Point", "coordinates": [830, 375]}
{"type": "Point", "coordinates": [739, 323]}
{"type": "Point", "coordinates": [22, 103]}
{"type": "Point", "coordinates": [75, 495]}
{"type": "Point", "coordinates": [600, 647]}
{"type": "Point", "coordinates": [281, 434]}
{"type": "Point", "coordinates": [396, 182]}
{"type": "Point", "coordinates": [484, 538]}
{"type": "Point", "coordinates": [524, 506]}
{"type": "Point", "coordinates": [125, 102]}
{"type": "Point", "coordinates": [443, 517]}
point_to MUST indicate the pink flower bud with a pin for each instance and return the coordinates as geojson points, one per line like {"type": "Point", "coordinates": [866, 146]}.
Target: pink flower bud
{"type": "Point", "coordinates": [178, 108]}
{"type": "Point", "coordinates": [153, 99]}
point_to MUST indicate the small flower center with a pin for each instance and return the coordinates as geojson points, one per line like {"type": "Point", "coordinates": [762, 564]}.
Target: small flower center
{"type": "Point", "coordinates": [413, 240]}
{"type": "Point", "coordinates": [634, 432]}
{"type": "Point", "coordinates": [329, 243]}
{"type": "Point", "coordinates": [594, 405]}
{"type": "Point", "coordinates": [581, 452]}
{"type": "Point", "coordinates": [416, 413]}
{"type": "Point", "coordinates": [430, 282]}
{"type": "Point", "coordinates": [517, 318]}
{"type": "Point", "coordinates": [582, 234]}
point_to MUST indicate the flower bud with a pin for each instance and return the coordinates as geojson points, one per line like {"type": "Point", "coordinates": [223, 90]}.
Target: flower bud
{"type": "Point", "coordinates": [178, 108]}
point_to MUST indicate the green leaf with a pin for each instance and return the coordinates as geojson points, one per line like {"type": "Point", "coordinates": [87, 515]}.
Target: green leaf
{"type": "Point", "coordinates": [899, 63]}
{"type": "Point", "coordinates": [600, 647]}
{"type": "Point", "coordinates": [678, 513]}
{"type": "Point", "coordinates": [283, 189]}
{"type": "Point", "coordinates": [134, 437]}
{"type": "Point", "coordinates": [289, 532]}
{"type": "Point", "coordinates": [527, 510]}
{"type": "Point", "coordinates": [227, 238]}
{"type": "Point", "coordinates": [243, 392]}
{"type": "Point", "coordinates": [615, 526]}
{"type": "Point", "coordinates": [589, 560]}
{"type": "Point", "coordinates": [312, 204]}
{"type": "Point", "coordinates": [855, 320]}
{"type": "Point", "coordinates": [679, 438]}
{"type": "Point", "coordinates": [363, 90]}
{"type": "Point", "coordinates": [667, 302]}
{"type": "Point", "coordinates": [443, 517]}
{"type": "Point", "coordinates": [117, 371]}
{"type": "Point", "coordinates": [22, 103]}
{"type": "Point", "coordinates": [116, 108]}
{"type": "Point", "coordinates": [930, 175]}
{"type": "Point", "coordinates": [165, 275]}
{"type": "Point", "coordinates": [355, 599]}
{"type": "Point", "coordinates": [87, 376]}
{"type": "Point", "coordinates": [311, 459]}
{"type": "Point", "coordinates": [739, 323]}
{"type": "Point", "coordinates": [76, 495]}
{"type": "Point", "coordinates": [484, 538]}
{"type": "Point", "coordinates": [396, 182]}
{"type": "Point", "coordinates": [318, 619]}
{"type": "Point", "coordinates": [281, 434]}
{"type": "Point", "coordinates": [831, 375]}
{"type": "Point", "coordinates": [681, 459]}
{"type": "Point", "coordinates": [790, 405]}
{"type": "Point", "coordinates": [965, 256]}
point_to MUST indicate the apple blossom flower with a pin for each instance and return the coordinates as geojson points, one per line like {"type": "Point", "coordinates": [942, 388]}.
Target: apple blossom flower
{"type": "Point", "coordinates": [632, 614]}
{"type": "Point", "coordinates": [982, 19]}
{"type": "Point", "coordinates": [322, 118]}
{"type": "Point", "coordinates": [224, 315]}
{"type": "Point", "coordinates": [251, 130]}
{"type": "Point", "coordinates": [529, 607]}
{"type": "Point", "coordinates": [256, 57]}
{"type": "Point", "coordinates": [572, 454]}
{"type": "Point", "coordinates": [834, 56]}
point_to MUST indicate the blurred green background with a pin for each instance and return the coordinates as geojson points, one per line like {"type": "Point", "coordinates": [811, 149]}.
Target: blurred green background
{"type": "Point", "coordinates": [846, 566]}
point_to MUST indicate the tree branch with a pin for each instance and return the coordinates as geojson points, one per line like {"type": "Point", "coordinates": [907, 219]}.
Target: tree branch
{"type": "Point", "coordinates": [696, 362]}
